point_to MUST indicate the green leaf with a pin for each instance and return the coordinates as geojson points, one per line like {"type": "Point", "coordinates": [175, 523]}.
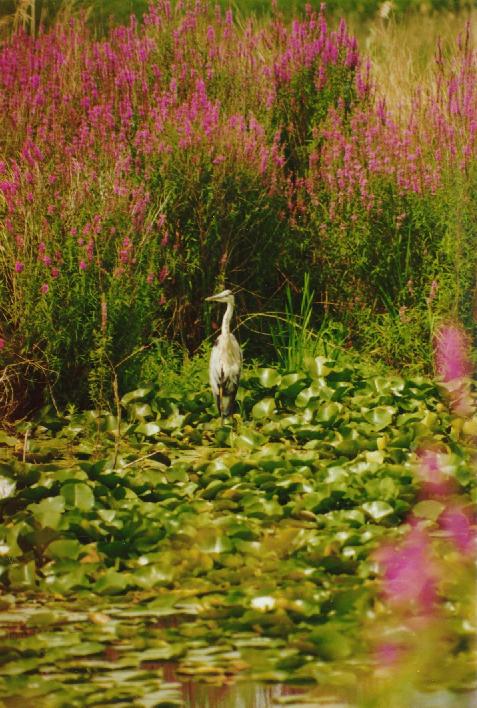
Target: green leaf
{"type": "Point", "coordinates": [22, 576]}
{"type": "Point", "coordinates": [68, 548]}
{"type": "Point", "coordinates": [138, 394]}
{"type": "Point", "coordinates": [78, 495]}
{"type": "Point", "coordinates": [48, 512]}
{"type": "Point", "coordinates": [112, 582]}
{"type": "Point", "coordinates": [247, 439]}
{"type": "Point", "coordinates": [377, 510]}
{"type": "Point", "coordinates": [318, 367]}
{"type": "Point", "coordinates": [328, 413]}
{"type": "Point", "coordinates": [380, 417]}
{"type": "Point", "coordinates": [139, 411]}
{"type": "Point", "coordinates": [330, 643]}
{"type": "Point", "coordinates": [264, 408]}
{"type": "Point", "coordinates": [269, 378]}
{"type": "Point", "coordinates": [428, 509]}
{"type": "Point", "coordinates": [148, 429]}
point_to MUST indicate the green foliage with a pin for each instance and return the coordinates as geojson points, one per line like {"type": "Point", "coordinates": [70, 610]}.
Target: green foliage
{"type": "Point", "coordinates": [222, 549]}
{"type": "Point", "coordinates": [293, 336]}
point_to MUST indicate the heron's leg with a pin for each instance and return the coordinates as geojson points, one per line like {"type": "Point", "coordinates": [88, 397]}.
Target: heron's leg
{"type": "Point", "coordinates": [220, 405]}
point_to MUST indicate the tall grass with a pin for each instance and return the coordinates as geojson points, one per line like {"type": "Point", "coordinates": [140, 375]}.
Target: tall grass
{"type": "Point", "coordinates": [141, 169]}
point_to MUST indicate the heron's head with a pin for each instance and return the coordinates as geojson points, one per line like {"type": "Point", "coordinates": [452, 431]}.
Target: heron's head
{"type": "Point", "coordinates": [226, 296]}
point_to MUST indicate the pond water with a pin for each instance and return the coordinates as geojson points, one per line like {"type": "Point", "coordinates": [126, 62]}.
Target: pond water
{"type": "Point", "coordinates": [256, 695]}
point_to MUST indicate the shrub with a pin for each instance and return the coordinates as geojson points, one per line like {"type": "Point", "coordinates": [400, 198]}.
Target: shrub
{"type": "Point", "coordinates": [144, 169]}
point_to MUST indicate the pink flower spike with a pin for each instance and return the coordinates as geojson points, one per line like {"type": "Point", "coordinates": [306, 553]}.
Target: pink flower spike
{"type": "Point", "coordinates": [457, 523]}
{"type": "Point", "coordinates": [409, 576]}
{"type": "Point", "coordinates": [44, 288]}
{"type": "Point", "coordinates": [54, 272]}
{"type": "Point", "coordinates": [435, 483]}
{"type": "Point", "coordinates": [388, 654]}
{"type": "Point", "coordinates": [19, 267]}
{"type": "Point", "coordinates": [2, 343]}
{"type": "Point", "coordinates": [150, 278]}
{"type": "Point", "coordinates": [82, 265]}
{"type": "Point", "coordinates": [452, 353]}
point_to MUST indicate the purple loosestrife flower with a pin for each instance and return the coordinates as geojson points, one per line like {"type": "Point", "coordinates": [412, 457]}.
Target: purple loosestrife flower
{"type": "Point", "coordinates": [82, 265]}
{"type": "Point", "coordinates": [457, 523]}
{"type": "Point", "coordinates": [409, 574]}
{"type": "Point", "coordinates": [44, 288]}
{"type": "Point", "coordinates": [452, 358]}
{"type": "Point", "coordinates": [54, 272]}
{"type": "Point", "coordinates": [2, 343]}
{"type": "Point", "coordinates": [454, 366]}
{"type": "Point", "coordinates": [19, 267]}
{"type": "Point", "coordinates": [430, 471]}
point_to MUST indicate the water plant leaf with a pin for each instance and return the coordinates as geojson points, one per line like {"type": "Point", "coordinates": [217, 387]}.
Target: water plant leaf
{"type": "Point", "coordinates": [48, 512]}
{"type": "Point", "coordinates": [78, 495]}
{"type": "Point", "coordinates": [264, 408]}
{"type": "Point", "coordinates": [377, 510]}
{"type": "Point", "coordinates": [269, 378]}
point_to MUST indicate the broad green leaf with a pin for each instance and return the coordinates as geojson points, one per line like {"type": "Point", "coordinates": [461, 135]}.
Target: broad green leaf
{"type": "Point", "coordinates": [112, 582]}
{"type": "Point", "coordinates": [291, 385]}
{"type": "Point", "coordinates": [78, 495]}
{"type": "Point", "coordinates": [264, 408]}
{"type": "Point", "coordinates": [308, 394]}
{"type": "Point", "coordinates": [48, 512]}
{"type": "Point", "coordinates": [328, 413]}
{"type": "Point", "coordinates": [148, 429]}
{"type": "Point", "coordinates": [139, 411]}
{"type": "Point", "coordinates": [22, 575]}
{"type": "Point", "coordinates": [269, 378]}
{"type": "Point", "coordinates": [319, 366]}
{"type": "Point", "coordinates": [247, 439]}
{"type": "Point", "coordinates": [428, 509]}
{"type": "Point", "coordinates": [377, 510]}
{"type": "Point", "coordinates": [138, 394]}
{"type": "Point", "coordinates": [380, 417]}
{"type": "Point", "coordinates": [68, 548]}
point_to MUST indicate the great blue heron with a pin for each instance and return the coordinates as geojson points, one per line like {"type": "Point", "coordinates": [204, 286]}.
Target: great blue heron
{"type": "Point", "coordinates": [226, 359]}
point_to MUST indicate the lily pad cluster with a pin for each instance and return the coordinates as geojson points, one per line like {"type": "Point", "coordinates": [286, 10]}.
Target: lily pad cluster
{"type": "Point", "coordinates": [158, 535]}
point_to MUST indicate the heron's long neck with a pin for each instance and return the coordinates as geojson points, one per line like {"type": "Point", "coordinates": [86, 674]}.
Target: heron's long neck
{"type": "Point", "coordinates": [227, 317]}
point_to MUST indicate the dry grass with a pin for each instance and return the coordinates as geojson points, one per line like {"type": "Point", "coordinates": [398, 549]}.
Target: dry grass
{"type": "Point", "coordinates": [402, 53]}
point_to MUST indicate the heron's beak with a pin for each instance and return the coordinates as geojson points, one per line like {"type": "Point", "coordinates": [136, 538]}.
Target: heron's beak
{"type": "Point", "coordinates": [211, 298]}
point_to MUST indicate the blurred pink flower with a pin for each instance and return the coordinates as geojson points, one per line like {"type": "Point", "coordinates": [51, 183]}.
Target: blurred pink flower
{"type": "Point", "coordinates": [82, 265]}
{"type": "Point", "coordinates": [2, 343]}
{"type": "Point", "coordinates": [388, 654]}
{"type": "Point", "coordinates": [44, 288]}
{"type": "Point", "coordinates": [409, 575]}
{"type": "Point", "coordinates": [457, 523]}
{"type": "Point", "coordinates": [452, 353]}
{"type": "Point", "coordinates": [150, 278]}
{"type": "Point", "coordinates": [435, 483]}
{"type": "Point", "coordinates": [54, 272]}
{"type": "Point", "coordinates": [46, 260]}
{"type": "Point", "coordinates": [19, 267]}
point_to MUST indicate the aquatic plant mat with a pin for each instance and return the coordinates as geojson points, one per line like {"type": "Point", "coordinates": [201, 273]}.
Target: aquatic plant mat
{"type": "Point", "coordinates": [163, 547]}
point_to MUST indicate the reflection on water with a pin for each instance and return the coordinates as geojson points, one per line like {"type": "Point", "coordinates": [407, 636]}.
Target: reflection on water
{"type": "Point", "coordinates": [254, 695]}
{"type": "Point", "coordinates": [240, 695]}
